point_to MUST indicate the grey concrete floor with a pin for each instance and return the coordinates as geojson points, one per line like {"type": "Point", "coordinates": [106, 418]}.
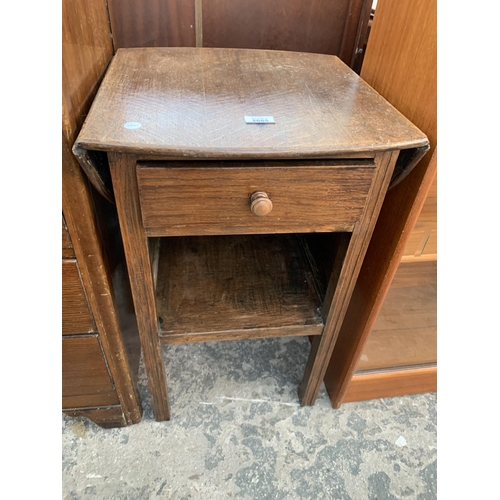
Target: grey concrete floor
{"type": "Point", "coordinates": [237, 431]}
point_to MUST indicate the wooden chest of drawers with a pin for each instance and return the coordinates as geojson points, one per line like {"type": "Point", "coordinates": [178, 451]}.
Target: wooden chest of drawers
{"type": "Point", "coordinates": [86, 381]}
{"type": "Point", "coordinates": [233, 228]}
{"type": "Point", "coordinates": [99, 352]}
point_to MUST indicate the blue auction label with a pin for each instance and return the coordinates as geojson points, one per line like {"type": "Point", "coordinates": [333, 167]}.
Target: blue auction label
{"type": "Point", "coordinates": [131, 125]}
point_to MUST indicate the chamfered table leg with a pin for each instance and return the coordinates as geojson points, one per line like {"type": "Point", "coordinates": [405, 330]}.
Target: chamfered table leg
{"type": "Point", "coordinates": [141, 279]}
{"type": "Point", "coordinates": [340, 288]}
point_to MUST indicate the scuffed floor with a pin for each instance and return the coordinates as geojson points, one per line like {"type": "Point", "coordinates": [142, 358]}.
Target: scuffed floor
{"type": "Point", "coordinates": [237, 431]}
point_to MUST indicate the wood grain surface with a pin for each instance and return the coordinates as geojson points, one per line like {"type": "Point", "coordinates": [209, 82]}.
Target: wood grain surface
{"type": "Point", "coordinates": [187, 198]}
{"type": "Point", "coordinates": [405, 331]}
{"type": "Point", "coordinates": [67, 247]}
{"type": "Point", "coordinates": [401, 60]}
{"type": "Point", "coordinates": [76, 314]}
{"type": "Point", "coordinates": [323, 26]}
{"type": "Point", "coordinates": [86, 52]}
{"type": "Point", "coordinates": [123, 171]}
{"type": "Point", "coordinates": [83, 222]}
{"type": "Point", "coordinates": [400, 63]}
{"type": "Point", "coordinates": [388, 384]}
{"type": "Point", "coordinates": [84, 369]}
{"type": "Point", "coordinates": [231, 287]}
{"type": "Point", "coordinates": [152, 23]}
{"type": "Point", "coordinates": [294, 25]}
{"type": "Point", "coordinates": [341, 285]}
{"type": "Point", "coordinates": [422, 243]}
{"type": "Point", "coordinates": [191, 102]}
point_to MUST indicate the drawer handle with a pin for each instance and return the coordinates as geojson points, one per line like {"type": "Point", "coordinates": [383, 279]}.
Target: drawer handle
{"type": "Point", "coordinates": [260, 204]}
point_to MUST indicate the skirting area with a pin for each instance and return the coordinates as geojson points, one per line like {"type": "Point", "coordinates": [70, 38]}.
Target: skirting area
{"type": "Point", "coordinates": [237, 431]}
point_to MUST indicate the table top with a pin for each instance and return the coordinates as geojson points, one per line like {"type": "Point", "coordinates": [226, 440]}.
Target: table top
{"type": "Point", "coordinates": [192, 102]}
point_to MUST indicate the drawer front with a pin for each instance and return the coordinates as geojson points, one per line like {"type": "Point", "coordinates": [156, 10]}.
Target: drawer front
{"type": "Point", "coordinates": [85, 377]}
{"type": "Point", "coordinates": [183, 200]}
{"type": "Point", "coordinates": [76, 315]}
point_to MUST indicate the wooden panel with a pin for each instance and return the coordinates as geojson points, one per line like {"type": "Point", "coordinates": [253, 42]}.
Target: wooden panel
{"type": "Point", "coordinates": [86, 51]}
{"type": "Point", "coordinates": [104, 417]}
{"type": "Point", "coordinates": [84, 371]}
{"type": "Point", "coordinates": [76, 314]}
{"type": "Point", "coordinates": [324, 26]}
{"type": "Point", "coordinates": [192, 102]}
{"type": "Point", "coordinates": [405, 332]}
{"type": "Point", "coordinates": [390, 384]}
{"type": "Point", "coordinates": [67, 247]}
{"type": "Point", "coordinates": [214, 197]}
{"type": "Point", "coordinates": [152, 23]}
{"type": "Point", "coordinates": [259, 285]}
{"type": "Point", "coordinates": [111, 240]}
{"type": "Point", "coordinates": [422, 243]}
{"type": "Point", "coordinates": [400, 60]}
{"type": "Point", "coordinates": [319, 26]}
{"type": "Point", "coordinates": [86, 400]}
{"type": "Point", "coordinates": [93, 263]}
{"type": "Point", "coordinates": [400, 63]}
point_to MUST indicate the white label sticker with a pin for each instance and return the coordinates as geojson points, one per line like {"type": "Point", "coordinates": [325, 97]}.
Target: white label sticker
{"type": "Point", "coordinates": [259, 119]}
{"type": "Point", "coordinates": [131, 125]}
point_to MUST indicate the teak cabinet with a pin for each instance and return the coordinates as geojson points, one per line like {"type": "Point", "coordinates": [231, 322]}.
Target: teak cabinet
{"type": "Point", "coordinates": [247, 185]}
{"type": "Point", "coordinates": [387, 344]}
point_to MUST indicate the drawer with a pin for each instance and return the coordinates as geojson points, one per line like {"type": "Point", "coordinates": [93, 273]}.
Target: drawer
{"type": "Point", "coordinates": [85, 377]}
{"type": "Point", "coordinates": [197, 198]}
{"type": "Point", "coordinates": [76, 315]}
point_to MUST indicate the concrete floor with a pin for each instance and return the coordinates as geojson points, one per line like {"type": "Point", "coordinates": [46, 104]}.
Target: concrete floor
{"type": "Point", "coordinates": [237, 431]}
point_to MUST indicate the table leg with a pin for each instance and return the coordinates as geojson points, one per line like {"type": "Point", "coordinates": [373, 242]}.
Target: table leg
{"type": "Point", "coordinates": [141, 280]}
{"type": "Point", "coordinates": [340, 287]}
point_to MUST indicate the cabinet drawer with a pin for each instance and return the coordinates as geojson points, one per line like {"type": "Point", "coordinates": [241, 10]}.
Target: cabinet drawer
{"type": "Point", "coordinates": [196, 198]}
{"type": "Point", "coordinates": [85, 377]}
{"type": "Point", "coordinates": [76, 315]}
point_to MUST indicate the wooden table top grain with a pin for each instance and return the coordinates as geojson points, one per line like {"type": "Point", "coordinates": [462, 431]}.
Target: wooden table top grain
{"type": "Point", "coordinates": [191, 102]}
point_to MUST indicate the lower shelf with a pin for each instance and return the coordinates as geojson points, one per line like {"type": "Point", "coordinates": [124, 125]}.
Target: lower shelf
{"type": "Point", "coordinates": [235, 287]}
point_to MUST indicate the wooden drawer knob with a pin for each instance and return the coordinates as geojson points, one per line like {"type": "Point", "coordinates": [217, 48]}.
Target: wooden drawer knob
{"type": "Point", "coordinates": [260, 204]}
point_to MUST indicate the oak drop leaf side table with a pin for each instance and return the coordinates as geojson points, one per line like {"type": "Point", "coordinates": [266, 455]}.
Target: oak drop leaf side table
{"type": "Point", "coordinates": [247, 184]}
